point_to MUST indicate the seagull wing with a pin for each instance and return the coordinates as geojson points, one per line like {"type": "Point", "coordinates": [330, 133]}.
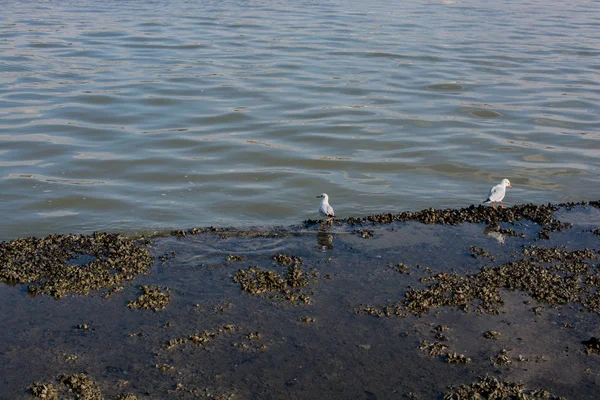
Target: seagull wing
{"type": "Point", "coordinates": [330, 211]}
{"type": "Point", "coordinates": [497, 193]}
{"type": "Point", "coordinates": [327, 210]}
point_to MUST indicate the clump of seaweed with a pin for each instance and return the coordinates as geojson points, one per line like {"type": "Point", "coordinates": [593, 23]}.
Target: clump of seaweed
{"type": "Point", "coordinates": [439, 349]}
{"type": "Point", "coordinates": [286, 260]}
{"type": "Point", "coordinates": [47, 391]}
{"type": "Point", "coordinates": [79, 385]}
{"type": "Point", "coordinates": [391, 310]}
{"type": "Point", "coordinates": [401, 268]}
{"type": "Point", "coordinates": [511, 232]}
{"type": "Point", "coordinates": [152, 298]}
{"type": "Point", "coordinates": [477, 252]}
{"type": "Point", "coordinates": [200, 339]}
{"type": "Point", "coordinates": [491, 335]}
{"type": "Point", "coordinates": [255, 280]}
{"type": "Point", "coordinates": [439, 330]}
{"type": "Point", "coordinates": [235, 258]}
{"type": "Point", "coordinates": [83, 387]}
{"type": "Point", "coordinates": [434, 349]}
{"type": "Point", "coordinates": [57, 265]}
{"type": "Point", "coordinates": [490, 388]}
{"type": "Point", "coordinates": [501, 359]}
{"type": "Point", "coordinates": [455, 358]}
{"type": "Point", "coordinates": [364, 233]}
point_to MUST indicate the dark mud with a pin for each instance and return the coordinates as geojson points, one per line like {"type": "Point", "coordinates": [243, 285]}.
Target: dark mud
{"type": "Point", "coordinates": [437, 304]}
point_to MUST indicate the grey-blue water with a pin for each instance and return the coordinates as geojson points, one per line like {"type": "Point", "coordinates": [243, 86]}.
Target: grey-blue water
{"type": "Point", "coordinates": [134, 116]}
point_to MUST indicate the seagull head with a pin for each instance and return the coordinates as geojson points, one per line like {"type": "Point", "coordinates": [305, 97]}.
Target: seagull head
{"type": "Point", "coordinates": [505, 183]}
{"type": "Point", "coordinates": [323, 196]}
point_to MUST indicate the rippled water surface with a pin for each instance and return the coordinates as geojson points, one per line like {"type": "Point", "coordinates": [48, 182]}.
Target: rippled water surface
{"type": "Point", "coordinates": [140, 115]}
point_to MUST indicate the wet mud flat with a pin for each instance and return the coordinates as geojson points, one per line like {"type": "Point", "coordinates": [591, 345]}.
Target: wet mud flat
{"type": "Point", "coordinates": [436, 304]}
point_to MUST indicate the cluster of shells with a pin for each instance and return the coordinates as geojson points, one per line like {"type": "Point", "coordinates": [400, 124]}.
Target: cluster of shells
{"type": "Point", "coordinates": [152, 298]}
{"type": "Point", "coordinates": [490, 388]}
{"type": "Point", "coordinates": [549, 275]}
{"type": "Point", "coordinates": [80, 385]}
{"type": "Point", "coordinates": [57, 265]}
{"type": "Point", "coordinates": [256, 280]}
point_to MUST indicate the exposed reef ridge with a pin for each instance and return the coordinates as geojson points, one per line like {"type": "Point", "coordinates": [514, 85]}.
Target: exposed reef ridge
{"type": "Point", "coordinates": [542, 215]}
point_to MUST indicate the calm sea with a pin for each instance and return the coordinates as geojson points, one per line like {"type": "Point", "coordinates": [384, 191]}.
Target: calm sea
{"type": "Point", "coordinates": [134, 116]}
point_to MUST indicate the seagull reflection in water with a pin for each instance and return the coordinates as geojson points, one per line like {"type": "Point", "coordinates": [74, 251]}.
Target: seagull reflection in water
{"type": "Point", "coordinates": [325, 240]}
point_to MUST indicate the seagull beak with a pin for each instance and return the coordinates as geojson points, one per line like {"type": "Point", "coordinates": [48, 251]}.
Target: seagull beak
{"type": "Point", "coordinates": [510, 186]}
{"type": "Point", "coordinates": [318, 197]}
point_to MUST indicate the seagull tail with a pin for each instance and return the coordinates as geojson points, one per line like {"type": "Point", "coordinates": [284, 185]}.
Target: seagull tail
{"type": "Point", "coordinates": [487, 200]}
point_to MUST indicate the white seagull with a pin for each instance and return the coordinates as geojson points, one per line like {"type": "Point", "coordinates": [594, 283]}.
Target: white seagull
{"type": "Point", "coordinates": [497, 193]}
{"type": "Point", "coordinates": [325, 209]}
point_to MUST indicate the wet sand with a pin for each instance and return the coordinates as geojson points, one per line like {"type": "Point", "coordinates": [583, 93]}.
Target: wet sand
{"type": "Point", "coordinates": [335, 324]}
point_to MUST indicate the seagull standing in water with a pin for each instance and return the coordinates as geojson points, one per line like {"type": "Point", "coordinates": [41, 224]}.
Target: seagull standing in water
{"type": "Point", "coordinates": [325, 209]}
{"type": "Point", "coordinates": [497, 193]}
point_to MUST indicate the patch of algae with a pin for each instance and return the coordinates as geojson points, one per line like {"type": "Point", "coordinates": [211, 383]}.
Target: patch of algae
{"type": "Point", "coordinates": [491, 388]}
{"type": "Point", "coordinates": [549, 275]}
{"type": "Point", "coordinates": [152, 298]}
{"type": "Point", "coordinates": [256, 280]}
{"type": "Point", "coordinates": [74, 386]}
{"type": "Point", "coordinates": [58, 265]}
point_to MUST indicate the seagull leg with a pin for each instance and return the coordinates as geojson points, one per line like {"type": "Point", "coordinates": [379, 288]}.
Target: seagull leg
{"type": "Point", "coordinates": [502, 205]}
{"type": "Point", "coordinates": [494, 206]}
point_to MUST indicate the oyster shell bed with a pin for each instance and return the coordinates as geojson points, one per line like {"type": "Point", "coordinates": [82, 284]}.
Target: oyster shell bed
{"type": "Point", "coordinates": [434, 304]}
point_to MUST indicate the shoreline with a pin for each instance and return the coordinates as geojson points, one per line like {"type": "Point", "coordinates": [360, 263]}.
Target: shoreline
{"type": "Point", "coordinates": [427, 304]}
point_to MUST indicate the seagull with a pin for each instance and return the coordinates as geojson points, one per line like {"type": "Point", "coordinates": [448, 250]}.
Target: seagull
{"type": "Point", "coordinates": [497, 193]}
{"type": "Point", "coordinates": [325, 209]}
